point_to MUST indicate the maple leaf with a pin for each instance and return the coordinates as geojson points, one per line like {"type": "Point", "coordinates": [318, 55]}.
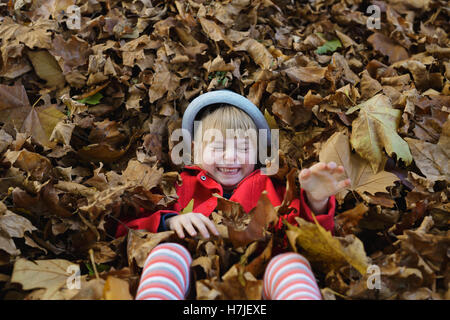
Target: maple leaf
{"type": "Point", "coordinates": [48, 274]}
{"type": "Point", "coordinates": [375, 129]}
{"type": "Point", "coordinates": [337, 149]}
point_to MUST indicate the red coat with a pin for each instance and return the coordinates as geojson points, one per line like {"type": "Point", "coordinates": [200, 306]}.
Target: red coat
{"type": "Point", "coordinates": [198, 185]}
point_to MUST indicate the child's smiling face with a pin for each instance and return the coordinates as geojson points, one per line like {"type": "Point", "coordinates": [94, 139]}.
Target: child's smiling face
{"type": "Point", "coordinates": [229, 161]}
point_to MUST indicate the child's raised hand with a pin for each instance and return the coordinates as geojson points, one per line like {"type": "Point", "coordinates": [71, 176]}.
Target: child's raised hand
{"type": "Point", "coordinates": [190, 222]}
{"type": "Point", "coordinates": [320, 182]}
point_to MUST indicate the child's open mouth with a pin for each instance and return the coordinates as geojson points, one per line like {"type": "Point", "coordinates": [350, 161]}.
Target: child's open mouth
{"type": "Point", "coordinates": [229, 171]}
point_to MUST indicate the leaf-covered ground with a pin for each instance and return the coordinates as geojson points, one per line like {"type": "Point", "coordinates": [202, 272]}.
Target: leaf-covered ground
{"type": "Point", "coordinates": [86, 115]}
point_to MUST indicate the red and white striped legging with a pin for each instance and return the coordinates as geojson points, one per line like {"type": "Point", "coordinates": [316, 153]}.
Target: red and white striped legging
{"type": "Point", "coordinates": [166, 273]}
{"type": "Point", "coordinates": [166, 276]}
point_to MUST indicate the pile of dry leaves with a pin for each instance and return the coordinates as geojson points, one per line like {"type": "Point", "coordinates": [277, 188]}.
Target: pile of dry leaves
{"type": "Point", "coordinates": [86, 115]}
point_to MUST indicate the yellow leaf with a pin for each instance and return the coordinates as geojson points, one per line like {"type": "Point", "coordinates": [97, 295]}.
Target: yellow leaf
{"type": "Point", "coordinates": [116, 289]}
{"type": "Point", "coordinates": [325, 251]}
{"type": "Point", "coordinates": [270, 120]}
{"type": "Point", "coordinates": [375, 129]}
{"type": "Point", "coordinates": [189, 207]}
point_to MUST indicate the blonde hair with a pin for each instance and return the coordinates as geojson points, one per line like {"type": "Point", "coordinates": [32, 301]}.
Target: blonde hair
{"type": "Point", "coordinates": [223, 118]}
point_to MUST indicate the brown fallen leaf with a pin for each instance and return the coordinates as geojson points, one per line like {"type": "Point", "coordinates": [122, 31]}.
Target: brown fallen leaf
{"type": "Point", "coordinates": [214, 31]}
{"type": "Point", "coordinates": [347, 221]}
{"type": "Point", "coordinates": [12, 226]}
{"type": "Point", "coordinates": [432, 159]}
{"type": "Point", "coordinates": [90, 290]}
{"type": "Point", "coordinates": [141, 243]}
{"type": "Point", "coordinates": [290, 111]}
{"type": "Point", "coordinates": [164, 81]}
{"type": "Point", "coordinates": [236, 284]}
{"type": "Point", "coordinates": [306, 74]}
{"type": "Point", "coordinates": [259, 53]}
{"type": "Point", "coordinates": [38, 166]}
{"type": "Point", "coordinates": [258, 265]}
{"type": "Point", "coordinates": [260, 218]}
{"type": "Point", "coordinates": [51, 275]}
{"type": "Point", "coordinates": [47, 68]}
{"type": "Point", "coordinates": [387, 47]}
{"type": "Point", "coordinates": [15, 105]}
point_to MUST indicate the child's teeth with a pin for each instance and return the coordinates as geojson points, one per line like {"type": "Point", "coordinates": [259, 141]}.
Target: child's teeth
{"type": "Point", "coordinates": [228, 170]}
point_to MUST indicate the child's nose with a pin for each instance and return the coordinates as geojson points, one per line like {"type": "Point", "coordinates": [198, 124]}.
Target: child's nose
{"type": "Point", "coordinates": [230, 155]}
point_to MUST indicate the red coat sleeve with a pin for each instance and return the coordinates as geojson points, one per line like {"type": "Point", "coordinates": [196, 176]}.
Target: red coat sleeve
{"type": "Point", "coordinates": [149, 223]}
{"type": "Point", "coordinates": [302, 210]}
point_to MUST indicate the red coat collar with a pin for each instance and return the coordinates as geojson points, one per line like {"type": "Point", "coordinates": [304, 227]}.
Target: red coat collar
{"type": "Point", "coordinates": [201, 171]}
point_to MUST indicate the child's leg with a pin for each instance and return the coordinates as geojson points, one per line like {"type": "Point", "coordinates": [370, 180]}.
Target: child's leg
{"type": "Point", "coordinates": [166, 273]}
{"type": "Point", "coordinates": [288, 276]}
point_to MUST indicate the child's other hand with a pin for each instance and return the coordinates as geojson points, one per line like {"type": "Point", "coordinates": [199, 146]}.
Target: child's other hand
{"type": "Point", "coordinates": [188, 221]}
{"type": "Point", "coordinates": [320, 182]}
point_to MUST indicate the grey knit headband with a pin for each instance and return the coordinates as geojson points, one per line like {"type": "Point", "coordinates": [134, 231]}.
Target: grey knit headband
{"type": "Point", "coordinates": [221, 96]}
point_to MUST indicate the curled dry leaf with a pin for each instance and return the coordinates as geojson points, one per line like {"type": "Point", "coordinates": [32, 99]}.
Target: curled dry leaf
{"type": "Point", "coordinates": [36, 165]}
{"type": "Point", "coordinates": [260, 218]}
{"type": "Point", "coordinates": [347, 221]}
{"type": "Point", "coordinates": [12, 226]}
{"type": "Point", "coordinates": [432, 159]}
{"type": "Point", "coordinates": [140, 244]}
{"type": "Point", "coordinates": [236, 284]}
{"type": "Point", "coordinates": [388, 47]}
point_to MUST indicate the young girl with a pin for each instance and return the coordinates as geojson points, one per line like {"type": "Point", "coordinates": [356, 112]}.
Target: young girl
{"type": "Point", "coordinates": [227, 165]}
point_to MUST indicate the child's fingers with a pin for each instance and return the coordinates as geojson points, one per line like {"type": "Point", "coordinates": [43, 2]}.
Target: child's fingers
{"type": "Point", "coordinates": [344, 184]}
{"type": "Point", "coordinates": [200, 225]}
{"type": "Point", "coordinates": [340, 169]}
{"type": "Point", "coordinates": [210, 225]}
{"type": "Point", "coordinates": [318, 167]}
{"type": "Point", "coordinates": [305, 174]}
{"type": "Point", "coordinates": [187, 225]}
{"type": "Point", "coordinates": [332, 165]}
{"type": "Point", "coordinates": [178, 229]}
